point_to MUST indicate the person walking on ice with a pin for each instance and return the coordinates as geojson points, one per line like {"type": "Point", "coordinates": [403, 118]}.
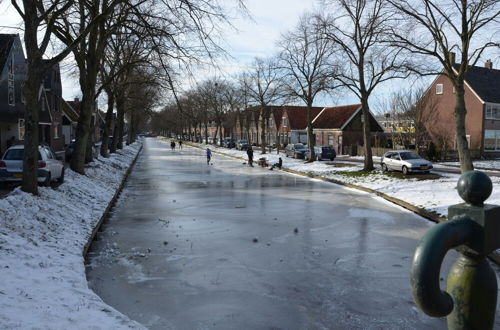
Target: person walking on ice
{"type": "Point", "coordinates": [172, 145]}
{"type": "Point", "coordinates": [209, 155]}
{"type": "Point", "coordinates": [250, 156]}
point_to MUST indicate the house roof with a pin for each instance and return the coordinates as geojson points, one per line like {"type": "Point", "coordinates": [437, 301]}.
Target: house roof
{"type": "Point", "coordinates": [485, 82]}
{"type": "Point", "coordinates": [297, 116]}
{"type": "Point", "coordinates": [335, 117]}
{"type": "Point", "coordinates": [75, 105]}
{"type": "Point", "coordinates": [278, 115]}
{"type": "Point", "coordinates": [69, 111]}
{"type": "Point", "coordinates": [6, 41]}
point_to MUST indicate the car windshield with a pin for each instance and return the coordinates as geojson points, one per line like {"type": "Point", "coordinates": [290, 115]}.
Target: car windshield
{"type": "Point", "coordinates": [300, 146]}
{"type": "Point", "coordinates": [409, 155]}
{"type": "Point", "coordinates": [327, 148]}
{"type": "Point", "coordinates": [243, 141]}
{"type": "Point", "coordinates": [16, 154]}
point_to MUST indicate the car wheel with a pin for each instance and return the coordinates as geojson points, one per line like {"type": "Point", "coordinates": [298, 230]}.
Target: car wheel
{"type": "Point", "coordinates": [405, 170]}
{"type": "Point", "coordinates": [61, 179]}
{"type": "Point", "coordinates": [46, 183]}
{"type": "Point", "coordinates": [332, 159]}
{"type": "Point", "coordinates": [384, 168]}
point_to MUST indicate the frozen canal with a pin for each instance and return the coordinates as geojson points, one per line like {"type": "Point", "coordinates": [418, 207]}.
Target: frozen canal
{"type": "Point", "coordinates": [193, 246]}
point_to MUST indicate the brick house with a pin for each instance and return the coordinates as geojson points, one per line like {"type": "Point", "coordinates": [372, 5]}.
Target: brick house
{"type": "Point", "coordinates": [52, 132]}
{"type": "Point", "coordinates": [294, 123]}
{"type": "Point", "coordinates": [342, 127]}
{"type": "Point", "coordinates": [482, 101]}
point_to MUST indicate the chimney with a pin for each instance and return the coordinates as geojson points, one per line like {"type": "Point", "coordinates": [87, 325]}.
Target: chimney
{"type": "Point", "coordinates": [77, 99]}
{"type": "Point", "coordinates": [452, 56]}
{"type": "Point", "coordinates": [488, 64]}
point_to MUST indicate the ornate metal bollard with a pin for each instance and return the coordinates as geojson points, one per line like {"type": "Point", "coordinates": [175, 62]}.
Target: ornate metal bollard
{"type": "Point", "coordinates": [474, 230]}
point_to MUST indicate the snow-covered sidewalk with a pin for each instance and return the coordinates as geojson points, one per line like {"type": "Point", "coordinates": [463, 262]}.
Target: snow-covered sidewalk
{"type": "Point", "coordinates": [43, 283]}
{"type": "Point", "coordinates": [433, 195]}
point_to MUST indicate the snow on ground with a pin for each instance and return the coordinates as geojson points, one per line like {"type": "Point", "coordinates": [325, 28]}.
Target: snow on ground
{"type": "Point", "coordinates": [43, 283]}
{"type": "Point", "coordinates": [489, 164]}
{"type": "Point", "coordinates": [435, 195]}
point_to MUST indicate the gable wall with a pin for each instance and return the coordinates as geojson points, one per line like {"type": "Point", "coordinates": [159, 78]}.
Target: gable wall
{"type": "Point", "coordinates": [441, 124]}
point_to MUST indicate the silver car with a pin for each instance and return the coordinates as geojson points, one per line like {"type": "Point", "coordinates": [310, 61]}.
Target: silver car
{"type": "Point", "coordinates": [50, 167]}
{"type": "Point", "coordinates": [405, 161]}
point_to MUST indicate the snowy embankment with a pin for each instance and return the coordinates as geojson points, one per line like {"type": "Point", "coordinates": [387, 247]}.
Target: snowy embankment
{"type": "Point", "coordinates": [434, 195]}
{"type": "Point", "coordinates": [43, 283]}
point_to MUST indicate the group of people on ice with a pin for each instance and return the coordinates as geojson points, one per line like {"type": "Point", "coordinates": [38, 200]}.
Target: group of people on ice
{"type": "Point", "coordinates": [172, 144]}
{"type": "Point", "coordinates": [279, 164]}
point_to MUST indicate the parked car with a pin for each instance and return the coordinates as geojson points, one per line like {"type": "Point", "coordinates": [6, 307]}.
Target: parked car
{"type": "Point", "coordinates": [295, 150]}
{"type": "Point", "coordinates": [68, 151]}
{"type": "Point", "coordinates": [50, 167]}
{"type": "Point", "coordinates": [323, 152]}
{"type": "Point", "coordinates": [228, 142]}
{"type": "Point", "coordinates": [242, 145]}
{"type": "Point", "coordinates": [405, 161]}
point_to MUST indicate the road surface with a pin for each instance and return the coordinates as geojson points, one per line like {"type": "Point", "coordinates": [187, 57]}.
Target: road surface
{"type": "Point", "coordinates": [225, 246]}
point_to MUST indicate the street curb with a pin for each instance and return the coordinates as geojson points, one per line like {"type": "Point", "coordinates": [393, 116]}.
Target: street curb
{"type": "Point", "coordinates": [110, 205]}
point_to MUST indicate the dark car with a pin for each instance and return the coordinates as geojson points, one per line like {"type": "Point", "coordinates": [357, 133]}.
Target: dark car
{"type": "Point", "coordinates": [242, 145]}
{"type": "Point", "coordinates": [228, 143]}
{"type": "Point", "coordinates": [68, 152]}
{"type": "Point", "coordinates": [296, 150]}
{"type": "Point", "coordinates": [323, 152]}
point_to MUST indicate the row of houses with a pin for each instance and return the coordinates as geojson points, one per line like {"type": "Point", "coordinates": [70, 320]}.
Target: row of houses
{"type": "Point", "coordinates": [58, 118]}
{"type": "Point", "coordinates": [341, 126]}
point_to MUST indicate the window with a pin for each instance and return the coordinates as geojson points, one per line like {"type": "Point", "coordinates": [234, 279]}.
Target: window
{"type": "Point", "coordinates": [439, 89]}
{"type": "Point", "coordinates": [285, 122]}
{"type": "Point", "coordinates": [491, 140]}
{"type": "Point", "coordinates": [21, 129]}
{"type": "Point", "coordinates": [56, 132]}
{"type": "Point", "coordinates": [492, 111]}
{"type": "Point", "coordinates": [330, 140]}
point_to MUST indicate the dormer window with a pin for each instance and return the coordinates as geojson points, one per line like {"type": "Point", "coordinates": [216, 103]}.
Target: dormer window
{"type": "Point", "coordinates": [439, 89]}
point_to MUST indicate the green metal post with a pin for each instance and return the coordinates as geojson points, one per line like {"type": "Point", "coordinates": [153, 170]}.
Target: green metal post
{"type": "Point", "coordinates": [474, 230]}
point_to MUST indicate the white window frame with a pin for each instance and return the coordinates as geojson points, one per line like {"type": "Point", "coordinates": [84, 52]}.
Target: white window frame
{"type": "Point", "coordinates": [439, 89]}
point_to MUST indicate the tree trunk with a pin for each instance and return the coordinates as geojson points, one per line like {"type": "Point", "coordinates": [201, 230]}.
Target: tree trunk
{"type": "Point", "coordinates": [107, 125]}
{"type": "Point", "coordinates": [206, 133]}
{"type": "Point", "coordinates": [262, 131]}
{"type": "Point", "coordinates": [310, 134]}
{"type": "Point", "coordinates": [31, 88]}
{"type": "Point", "coordinates": [120, 117]}
{"type": "Point", "coordinates": [83, 129]}
{"type": "Point", "coordinates": [31, 115]}
{"type": "Point", "coordinates": [368, 162]}
{"type": "Point", "coordinates": [461, 137]}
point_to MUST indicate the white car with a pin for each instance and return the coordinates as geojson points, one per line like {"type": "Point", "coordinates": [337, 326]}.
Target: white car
{"type": "Point", "coordinates": [405, 161]}
{"type": "Point", "coordinates": [50, 167]}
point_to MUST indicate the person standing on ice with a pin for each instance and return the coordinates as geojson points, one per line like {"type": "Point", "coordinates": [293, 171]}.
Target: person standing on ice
{"type": "Point", "coordinates": [209, 155]}
{"type": "Point", "coordinates": [250, 156]}
{"type": "Point", "coordinates": [180, 144]}
{"type": "Point", "coordinates": [172, 145]}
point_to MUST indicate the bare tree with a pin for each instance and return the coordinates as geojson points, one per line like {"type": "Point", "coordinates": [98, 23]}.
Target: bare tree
{"type": "Point", "coordinates": [264, 87]}
{"type": "Point", "coordinates": [436, 30]}
{"type": "Point", "coordinates": [307, 62]}
{"type": "Point", "coordinates": [39, 15]}
{"type": "Point", "coordinates": [359, 28]}
{"type": "Point", "coordinates": [416, 112]}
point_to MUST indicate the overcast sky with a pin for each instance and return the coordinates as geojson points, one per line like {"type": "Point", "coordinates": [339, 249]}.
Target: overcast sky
{"type": "Point", "coordinates": [254, 37]}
